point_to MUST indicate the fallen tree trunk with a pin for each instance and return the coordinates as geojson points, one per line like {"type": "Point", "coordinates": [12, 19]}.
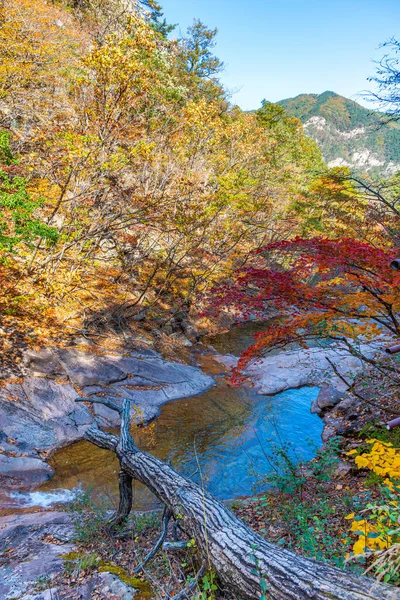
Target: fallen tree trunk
{"type": "Point", "coordinates": [243, 560]}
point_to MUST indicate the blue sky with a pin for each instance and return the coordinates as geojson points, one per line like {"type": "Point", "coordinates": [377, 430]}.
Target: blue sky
{"type": "Point", "coordinates": [275, 49]}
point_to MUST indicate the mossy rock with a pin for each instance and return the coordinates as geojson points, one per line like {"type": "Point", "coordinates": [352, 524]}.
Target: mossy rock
{"type": "Point", "coordinates": [142, 586]}
{"type": "Point", "coordinates": [72, 555]}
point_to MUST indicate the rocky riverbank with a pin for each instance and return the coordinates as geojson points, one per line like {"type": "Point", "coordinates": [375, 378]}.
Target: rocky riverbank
{"type": "Point", "coordinates": [339, 410]}
{"type": "Point", "coordinates": [37, 547]}
{"type": "Point", "coordinates": [38, 412]}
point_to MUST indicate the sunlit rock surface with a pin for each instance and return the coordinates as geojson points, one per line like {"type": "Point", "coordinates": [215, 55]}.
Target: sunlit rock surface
{"type": "Point", "coordinates": [297, 368]}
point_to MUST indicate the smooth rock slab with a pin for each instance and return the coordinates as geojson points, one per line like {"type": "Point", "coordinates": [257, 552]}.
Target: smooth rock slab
{"type": "Point", "coordinates": [24, 553]}
{"type": "Point", "coordinates": [40, 414]}
{"type": "Point", "coordinates": [89, 369]}
{"type": "Point", "coordinates": [49, 594]}
{"type": "Point", "coordinates": [25, 468]}
{"type": "Point", "coordinates": [305, 367]}
{"type": "Point", "coordinates": [154, 370]}
{"type": "Point", "coordinates": [43, 362]}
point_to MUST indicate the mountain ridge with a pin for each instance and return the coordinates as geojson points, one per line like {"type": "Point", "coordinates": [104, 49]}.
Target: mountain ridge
{"type": "Point", "coordinates": [347, 133]}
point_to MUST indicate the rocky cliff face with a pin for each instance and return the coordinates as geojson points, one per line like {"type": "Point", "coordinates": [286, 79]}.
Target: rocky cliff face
{"type": "Point", "coordinates": [348, 133]}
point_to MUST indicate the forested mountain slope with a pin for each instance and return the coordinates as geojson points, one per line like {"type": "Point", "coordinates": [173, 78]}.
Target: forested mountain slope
{"type": "Point", "coordinates": [348, 133]}
{"type": "Point", "coordinates": [129, 181]}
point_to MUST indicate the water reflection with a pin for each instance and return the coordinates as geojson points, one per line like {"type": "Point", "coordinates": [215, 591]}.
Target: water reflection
{"type": "Point", "coordinates": [219, 438]}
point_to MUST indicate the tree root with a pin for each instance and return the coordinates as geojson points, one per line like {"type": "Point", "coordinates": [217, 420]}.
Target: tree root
{"type": "Point", "coordinates": [164, 530]}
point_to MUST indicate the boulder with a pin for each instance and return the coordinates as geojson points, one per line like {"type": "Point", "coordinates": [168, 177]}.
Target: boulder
{"type": "Point", "coordinates": [328, 397]}
{"type": "Point", "coordinates": [113, 587]}
{"type": "Point", "coordinates": [328, 433]}
{"type": "Point", "coordinates": [342, 469]}
{"type": "Point", "coordinates": [106, 586]}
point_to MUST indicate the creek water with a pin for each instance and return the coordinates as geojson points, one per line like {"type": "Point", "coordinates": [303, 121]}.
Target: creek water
{"type": "Point", "coordinates": [224, 438]}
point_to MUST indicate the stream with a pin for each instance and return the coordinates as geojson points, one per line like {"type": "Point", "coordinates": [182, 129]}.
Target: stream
{"type": "Point", "coordinates": [224, 439]}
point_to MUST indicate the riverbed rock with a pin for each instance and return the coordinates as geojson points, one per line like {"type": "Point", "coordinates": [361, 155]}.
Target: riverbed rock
{"type": "Point", "coordinates": [305, 367]}
{"type": "Point", "coordinates": [38, 413]}
{"type": "Point", "coordinates": [83, 368]}
{"type": "Point", "coordinates": [111, 586]}
{"type": "Point", "coordinates": [42, 362]}
{"type": "Point", "coordinates": [327, 398]}
{"type": "Point", "coordinates": [25, 468]}
{"type": "Point", "coordinates": [104, 586]}
{"type": "Point", "coordinates": [342, 469]}
{"type": "Point", "coordinates": [32, 548]}
{"type": "Point", "coordinates": [328, 433]}
{"type": "Point", "coordinates": [49, 594]}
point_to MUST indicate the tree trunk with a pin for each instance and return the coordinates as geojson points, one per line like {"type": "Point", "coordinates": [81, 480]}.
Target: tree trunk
{"type": "Point", "coordinates": [240, 557]}
{"type": "Point", "coordinates": [125, 499]}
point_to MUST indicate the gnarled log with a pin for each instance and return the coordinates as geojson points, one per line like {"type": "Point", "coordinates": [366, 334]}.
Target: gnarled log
{"type": "Point", "coordinates": [241, 557]}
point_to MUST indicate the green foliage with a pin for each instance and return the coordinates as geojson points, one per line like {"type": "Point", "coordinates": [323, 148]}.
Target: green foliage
{"type": "Point", "coordinates": [257, 571]}
{"type": "Point", "coordinates": [327, 460]}
{"type": "Point", "coordinates": [307, 516]}
{"type": "Point", "coordinates": [157, 19]}
{"type": "Point", "coordinates": [379, 432]}
{"type": "Point", "coordinates": [145, 521]}
{"type": "Point", "coordinates": [6, 156]}
{"type": "Point", "coordinates": [89, 517]}
{"type": "Point", "coordinates": [285, 474]}
{"type": "Point", "coordinates": [198, 44]}
{"type": "Point", "coordinates": [18, 223]}
{"type": "Point", "coordinates": [207, 586]}
{"type": "Point", "coordinates": [291, 145]}
{"type": "Point", "coordinates": [77, 562]}
{"type": "Point", "coordinates": [309, 522]}
{"type": "Point", "coordinates": [43, 582]}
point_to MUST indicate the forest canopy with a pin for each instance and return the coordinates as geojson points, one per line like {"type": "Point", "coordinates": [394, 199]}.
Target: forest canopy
{"type": "Point", "coordinates": [145, 184]}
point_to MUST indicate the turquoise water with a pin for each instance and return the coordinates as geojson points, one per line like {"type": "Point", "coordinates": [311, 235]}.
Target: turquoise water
{"type": "Point", "coordinates": [223, 439]}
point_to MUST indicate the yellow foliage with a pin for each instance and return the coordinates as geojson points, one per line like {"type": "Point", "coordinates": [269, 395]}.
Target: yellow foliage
{"type": "Point", "coordinates": [376, 532]}
{"type": "Point", "coordinates": [383, 459]}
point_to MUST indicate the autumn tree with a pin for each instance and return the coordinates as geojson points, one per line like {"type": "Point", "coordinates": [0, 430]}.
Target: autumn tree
{"type": "Point", "coordinates": [341, 203]}
{"type": "Point", "coordinates": [341, 290]}
{"type": "Point", "coordinates": [156, 186]}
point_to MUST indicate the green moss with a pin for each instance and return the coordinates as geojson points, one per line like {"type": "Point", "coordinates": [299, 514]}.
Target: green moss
{"type": "Point", "coordinates": [72, 556]}
{"type": "Point", "coordinates": [138, 584]}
